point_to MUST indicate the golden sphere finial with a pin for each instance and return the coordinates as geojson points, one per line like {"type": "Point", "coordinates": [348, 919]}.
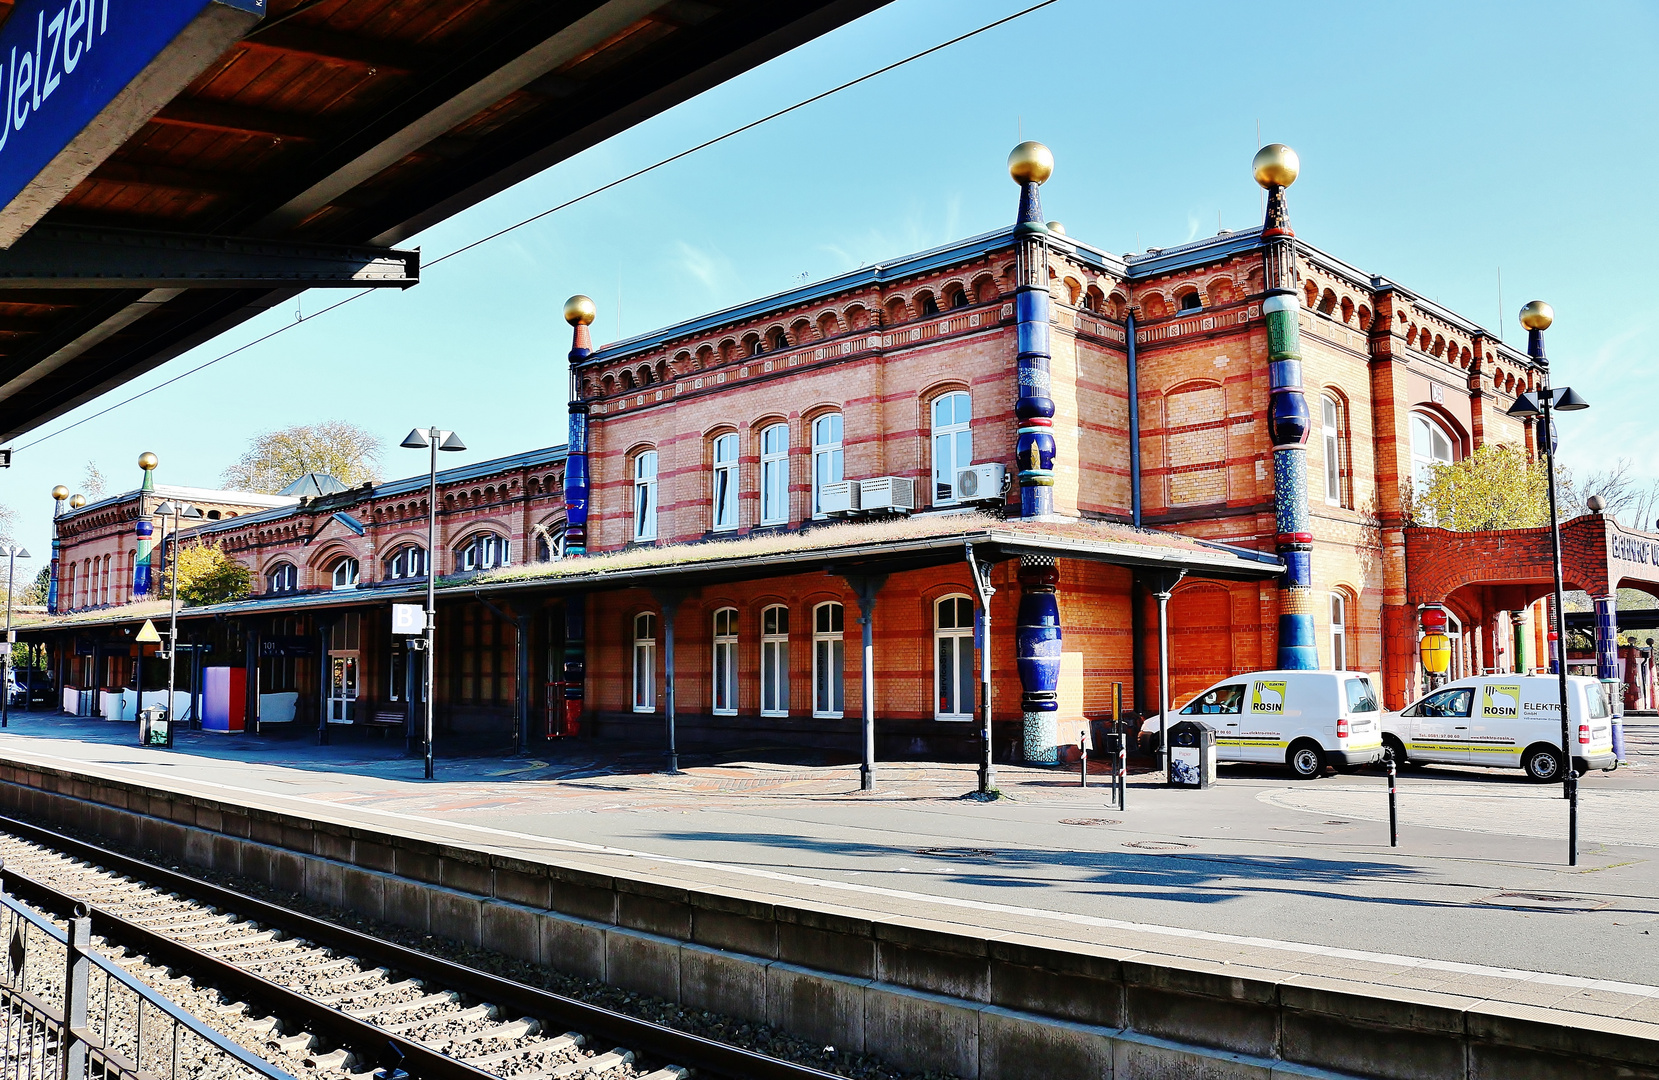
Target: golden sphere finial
{"type": "Point", "coordinates": [1056, 228]}
{"type": "Point", "coordinates": [1537, 316]}
{"type": "Point", "coordinates": [1276, 165]}
{"type": "Point", "coordinates": [60, 493]}
{"type": "Point", "coordinates": [1030, 162]}
{"type": "Point", "coordinates": [579, 309]}
{"type": "Point", "coordinates": [147, 461]}
{"type": "Point", "coordinates": [77, 501]}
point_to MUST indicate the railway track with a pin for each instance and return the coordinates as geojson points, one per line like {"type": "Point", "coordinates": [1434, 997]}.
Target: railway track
{"type": "Point", "coordinates": [326, 1001]}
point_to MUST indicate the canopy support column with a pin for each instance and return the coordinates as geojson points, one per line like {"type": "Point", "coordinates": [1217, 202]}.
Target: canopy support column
{"type": "Point", "coordinates": [865, 587]}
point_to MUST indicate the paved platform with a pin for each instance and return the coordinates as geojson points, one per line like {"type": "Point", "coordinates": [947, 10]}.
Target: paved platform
{"type": "Point", "coordinates": [1261, 872]}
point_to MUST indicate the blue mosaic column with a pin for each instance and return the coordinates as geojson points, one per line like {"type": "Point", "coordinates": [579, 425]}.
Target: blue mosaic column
{"type": "Point", "coordinates": [1289, 424]}
{"type": "Point", "coordinates": [1607, 666]}
{"type": "Point", "coordinates": [579, 313]}
{"type": "Point", "coordinates": [1037, 635]}
{"type": "Point", "coordinates": [144, 528]}
{"type": "Point", "coordinates": [1037, 641]}
{"type": "Point", "coordinates": [59, 494]}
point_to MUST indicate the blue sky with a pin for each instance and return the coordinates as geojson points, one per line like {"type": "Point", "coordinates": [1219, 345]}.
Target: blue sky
{"type": "Point", "coordinates": [1439, 142]}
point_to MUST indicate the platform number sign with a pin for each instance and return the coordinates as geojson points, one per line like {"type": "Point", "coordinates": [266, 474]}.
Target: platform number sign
{"type": "Point", "coordinates": [408, 619]}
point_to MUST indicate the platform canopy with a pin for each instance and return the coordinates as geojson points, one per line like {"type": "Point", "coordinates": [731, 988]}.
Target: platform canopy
{"type": "Point", "coordinates": [174, 167]}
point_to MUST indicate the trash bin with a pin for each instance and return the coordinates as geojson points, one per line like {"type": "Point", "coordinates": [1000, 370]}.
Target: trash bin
{"type": "Point", "coordinates": [155, 727]}
{"type": "Point", "coordinates": [1191, 754]}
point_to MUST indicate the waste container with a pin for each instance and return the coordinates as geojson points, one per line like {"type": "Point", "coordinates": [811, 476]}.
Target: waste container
{"type": "Point", "coordinates": [155, 727]}
{"type": "Point", "coordinates": [1191, 754]}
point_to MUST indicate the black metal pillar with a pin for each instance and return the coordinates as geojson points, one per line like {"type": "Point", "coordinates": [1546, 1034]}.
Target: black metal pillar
{"type": "Point", "coordinates": [669, 601]}
{"type": "Point", "coordinates": [865, 587]}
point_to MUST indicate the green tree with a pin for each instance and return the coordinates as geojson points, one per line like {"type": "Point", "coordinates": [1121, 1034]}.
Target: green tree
{"type": "Point", "coordinates": [36, 591]}
{"type": "Point", "coordinates": [207, 575]}
{"type": "Point", "coordinates": [1496, 487]}
{"type": "Point", "coordinates": [275, 459]}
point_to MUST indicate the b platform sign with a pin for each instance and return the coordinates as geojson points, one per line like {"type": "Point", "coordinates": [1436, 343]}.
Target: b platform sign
{"type": "Point", "coordinates": [78, 77]}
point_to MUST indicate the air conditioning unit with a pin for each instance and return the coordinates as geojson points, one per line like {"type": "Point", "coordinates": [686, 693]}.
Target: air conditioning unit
{"type": "Point", "coordinates": [839, 498]}
{"type": "Point", "coordinates": [889, 494]}
{"type": "Point", "coordinates": [981, 483]}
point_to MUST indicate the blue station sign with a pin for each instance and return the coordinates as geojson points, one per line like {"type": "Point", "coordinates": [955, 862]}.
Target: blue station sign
{"type": "Point", "coordinates": [81, 76]}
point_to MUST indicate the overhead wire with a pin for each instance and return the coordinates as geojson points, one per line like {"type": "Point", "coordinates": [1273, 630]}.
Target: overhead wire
{"type": "Point", "coordinates": [567, 204]}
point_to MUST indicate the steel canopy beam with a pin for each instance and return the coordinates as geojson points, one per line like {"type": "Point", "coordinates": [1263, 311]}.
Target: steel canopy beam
{"type": "Point", "coordinates": [62, 256]}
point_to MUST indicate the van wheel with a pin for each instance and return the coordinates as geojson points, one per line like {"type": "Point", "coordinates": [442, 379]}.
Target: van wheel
{"type": "Point", "coordinates": [1396, 750]}
{"type": "Point", "coordinates": [1306, 760]}
{"type": "Point", "coordinates": [1542, 764]}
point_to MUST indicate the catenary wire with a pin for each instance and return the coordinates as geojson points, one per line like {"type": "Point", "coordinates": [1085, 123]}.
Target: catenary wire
{"type": "Point", "coordinates": [532, 219]}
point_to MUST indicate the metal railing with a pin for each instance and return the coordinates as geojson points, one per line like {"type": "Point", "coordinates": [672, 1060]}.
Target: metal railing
{"type": "Point", "coordinates": [68, 1012]}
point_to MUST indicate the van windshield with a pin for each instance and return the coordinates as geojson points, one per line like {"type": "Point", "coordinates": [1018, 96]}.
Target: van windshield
{"type": "Point", "coordinates": [1222, 701]}
{"type": "Point", "coordinates": [1595, 700]}
{"type": "Point", "coordinates": [1360, 697]}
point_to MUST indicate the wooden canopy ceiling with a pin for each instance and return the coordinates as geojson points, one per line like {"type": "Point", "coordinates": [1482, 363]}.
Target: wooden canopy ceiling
{"type": "Point", "coordinates": [353, 122]}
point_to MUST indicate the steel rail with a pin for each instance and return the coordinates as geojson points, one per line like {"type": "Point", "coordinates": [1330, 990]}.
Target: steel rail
{"type": "Point", "coordinates": [706, 1056]}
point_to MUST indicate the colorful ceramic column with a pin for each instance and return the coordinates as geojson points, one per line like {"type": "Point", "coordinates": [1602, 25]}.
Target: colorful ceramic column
{"type": "Point", "coordinates": [143, 527]}
{"type": "Point", "coordinates": [1607, 666]}
{"type": "Point", "coordinates": [579, 313]}
{"type": "Point", "coordinates": [59, 494]}
{"type": "Point", "coordinates": [1276, 166]}
{"type": "Point", "coordinates": [1037, 629]}
{"type": "Point", "coordinates": [1030, 164]}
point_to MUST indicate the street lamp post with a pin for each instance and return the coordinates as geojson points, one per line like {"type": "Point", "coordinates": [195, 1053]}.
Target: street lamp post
{"type": "Point", "coordinates": [1537, 317]}
{"type": "Point", "coordinates": [177, 511]}
{"type": "Point", "coordinates": [433, 439]}
{"type": "Point", "coordinates": [12, 553]}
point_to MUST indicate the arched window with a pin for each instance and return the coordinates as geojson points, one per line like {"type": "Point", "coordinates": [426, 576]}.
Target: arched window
{"type": "Point", "coordinates": [928, 305]}
{"type": "Point", "coordinates": [1191, 301]}
{"type": "Point", "coordinates": [1339, 632]}
{"type": "Point", "coordinates": [408, 561]}
{"type": "Point", "coordinates": [725, 481]}
{"type": "Point", "coordinates": [645, 496]}
{"type": "Point", "coordinates": [1431, 445]}
{"type": "Point", "coordinates": [725, 662]}
{"type": "Point", "coordinates": [953, 443]}
{"type": "Point", "coordinates": [774, 475]}
{"type": "Point", "coordinates": [953, 650]}
{"type": "Point", "coordinates": [827, 461]}
{"type": "Point", "coordinates": [828, 661]}
{"type": "Point", "coordinates": [1338, 469]}
{"type": "Point", "coordinates": [550, 545]}
{"type": "Point", "coordinates": [345, 573]}
{"type": "Point", "coordinates": [957, 299]}
{"type": "Point", "coordinates": [645, 662]}
{"type": "Point", "coordinates": [483, 552]}
{"type": "Point", "coordinates": [282, 579]}
{"type": "Point", "coordinates": [774, 661]}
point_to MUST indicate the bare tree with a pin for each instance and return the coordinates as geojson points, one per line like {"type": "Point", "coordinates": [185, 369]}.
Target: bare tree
{"type": "Point", "coordinates": [275, 459]}
{"type": "Point", "coordinates": [1624, 494]}
{"type": "Point", "coordinates": [92, 481]}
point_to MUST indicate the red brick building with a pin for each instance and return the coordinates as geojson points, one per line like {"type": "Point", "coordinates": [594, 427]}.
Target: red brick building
{"type": "Point", "coordinates": [751, 471]}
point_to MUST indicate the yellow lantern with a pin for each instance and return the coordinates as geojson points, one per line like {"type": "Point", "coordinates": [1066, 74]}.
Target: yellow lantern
{"type": "Point", "coordinates": [1435, 650]}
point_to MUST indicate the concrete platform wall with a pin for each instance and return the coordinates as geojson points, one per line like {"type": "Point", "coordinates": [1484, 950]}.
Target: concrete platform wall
{"type": "Point", "coordinates": [984, 1006]}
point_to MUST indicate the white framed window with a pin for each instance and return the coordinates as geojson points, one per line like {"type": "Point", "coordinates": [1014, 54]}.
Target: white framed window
{"type": "Point", "coordinates": [774, 661]}
{"type": "Point", "coordinates": [550, 545]}
{"type": "Point", "coordinates": [1336, 472]}
{"type": "Point", "coordinates": [829, 661]}
{"type": "Point", "coordinates": [483, 552]}
{"type": "Point", "coordinates": [284, 578]}
{"type": "Point", "coordinates": [828, 460]}
{"type": "Point", "coordinates": [1339, 632]}
{"type": "Point", "coordinates": [725, 481]}
{"type": "Point", "coordinates": [645, 495]}
{"type": "Point", "coordinates": [725, 662]}
{"type": "Point", "coordinates": [408, 562]}
{"type": "Point", "coordinates": [645, 662]}
{"type": "Point", "coordinates": [1431, 445]}
{"type": "Point", "coordinates": [953, 443]}
{"type": "Point", "coordinates": [953, 652]}
{"type": "Point", "coordinates": [345, 573]}
{"type": "Point", "coordinates": [774, 475]}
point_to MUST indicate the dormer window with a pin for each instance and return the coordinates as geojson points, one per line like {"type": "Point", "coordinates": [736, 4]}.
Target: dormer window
{"type": "Point", "coordinates": [484, 552]}
{"type": "Point", "coordinates": [345, 574]}
{"type": "Point", "coordinates": [408, 562]}
{"type": "Point", "coordinates": [283, 579]}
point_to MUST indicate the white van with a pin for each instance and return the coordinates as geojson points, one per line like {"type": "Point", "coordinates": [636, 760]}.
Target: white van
{"type": "Point", "coordinates": [1505, 721]}
{"type": "Point", "coordinates": [1303, 719]}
